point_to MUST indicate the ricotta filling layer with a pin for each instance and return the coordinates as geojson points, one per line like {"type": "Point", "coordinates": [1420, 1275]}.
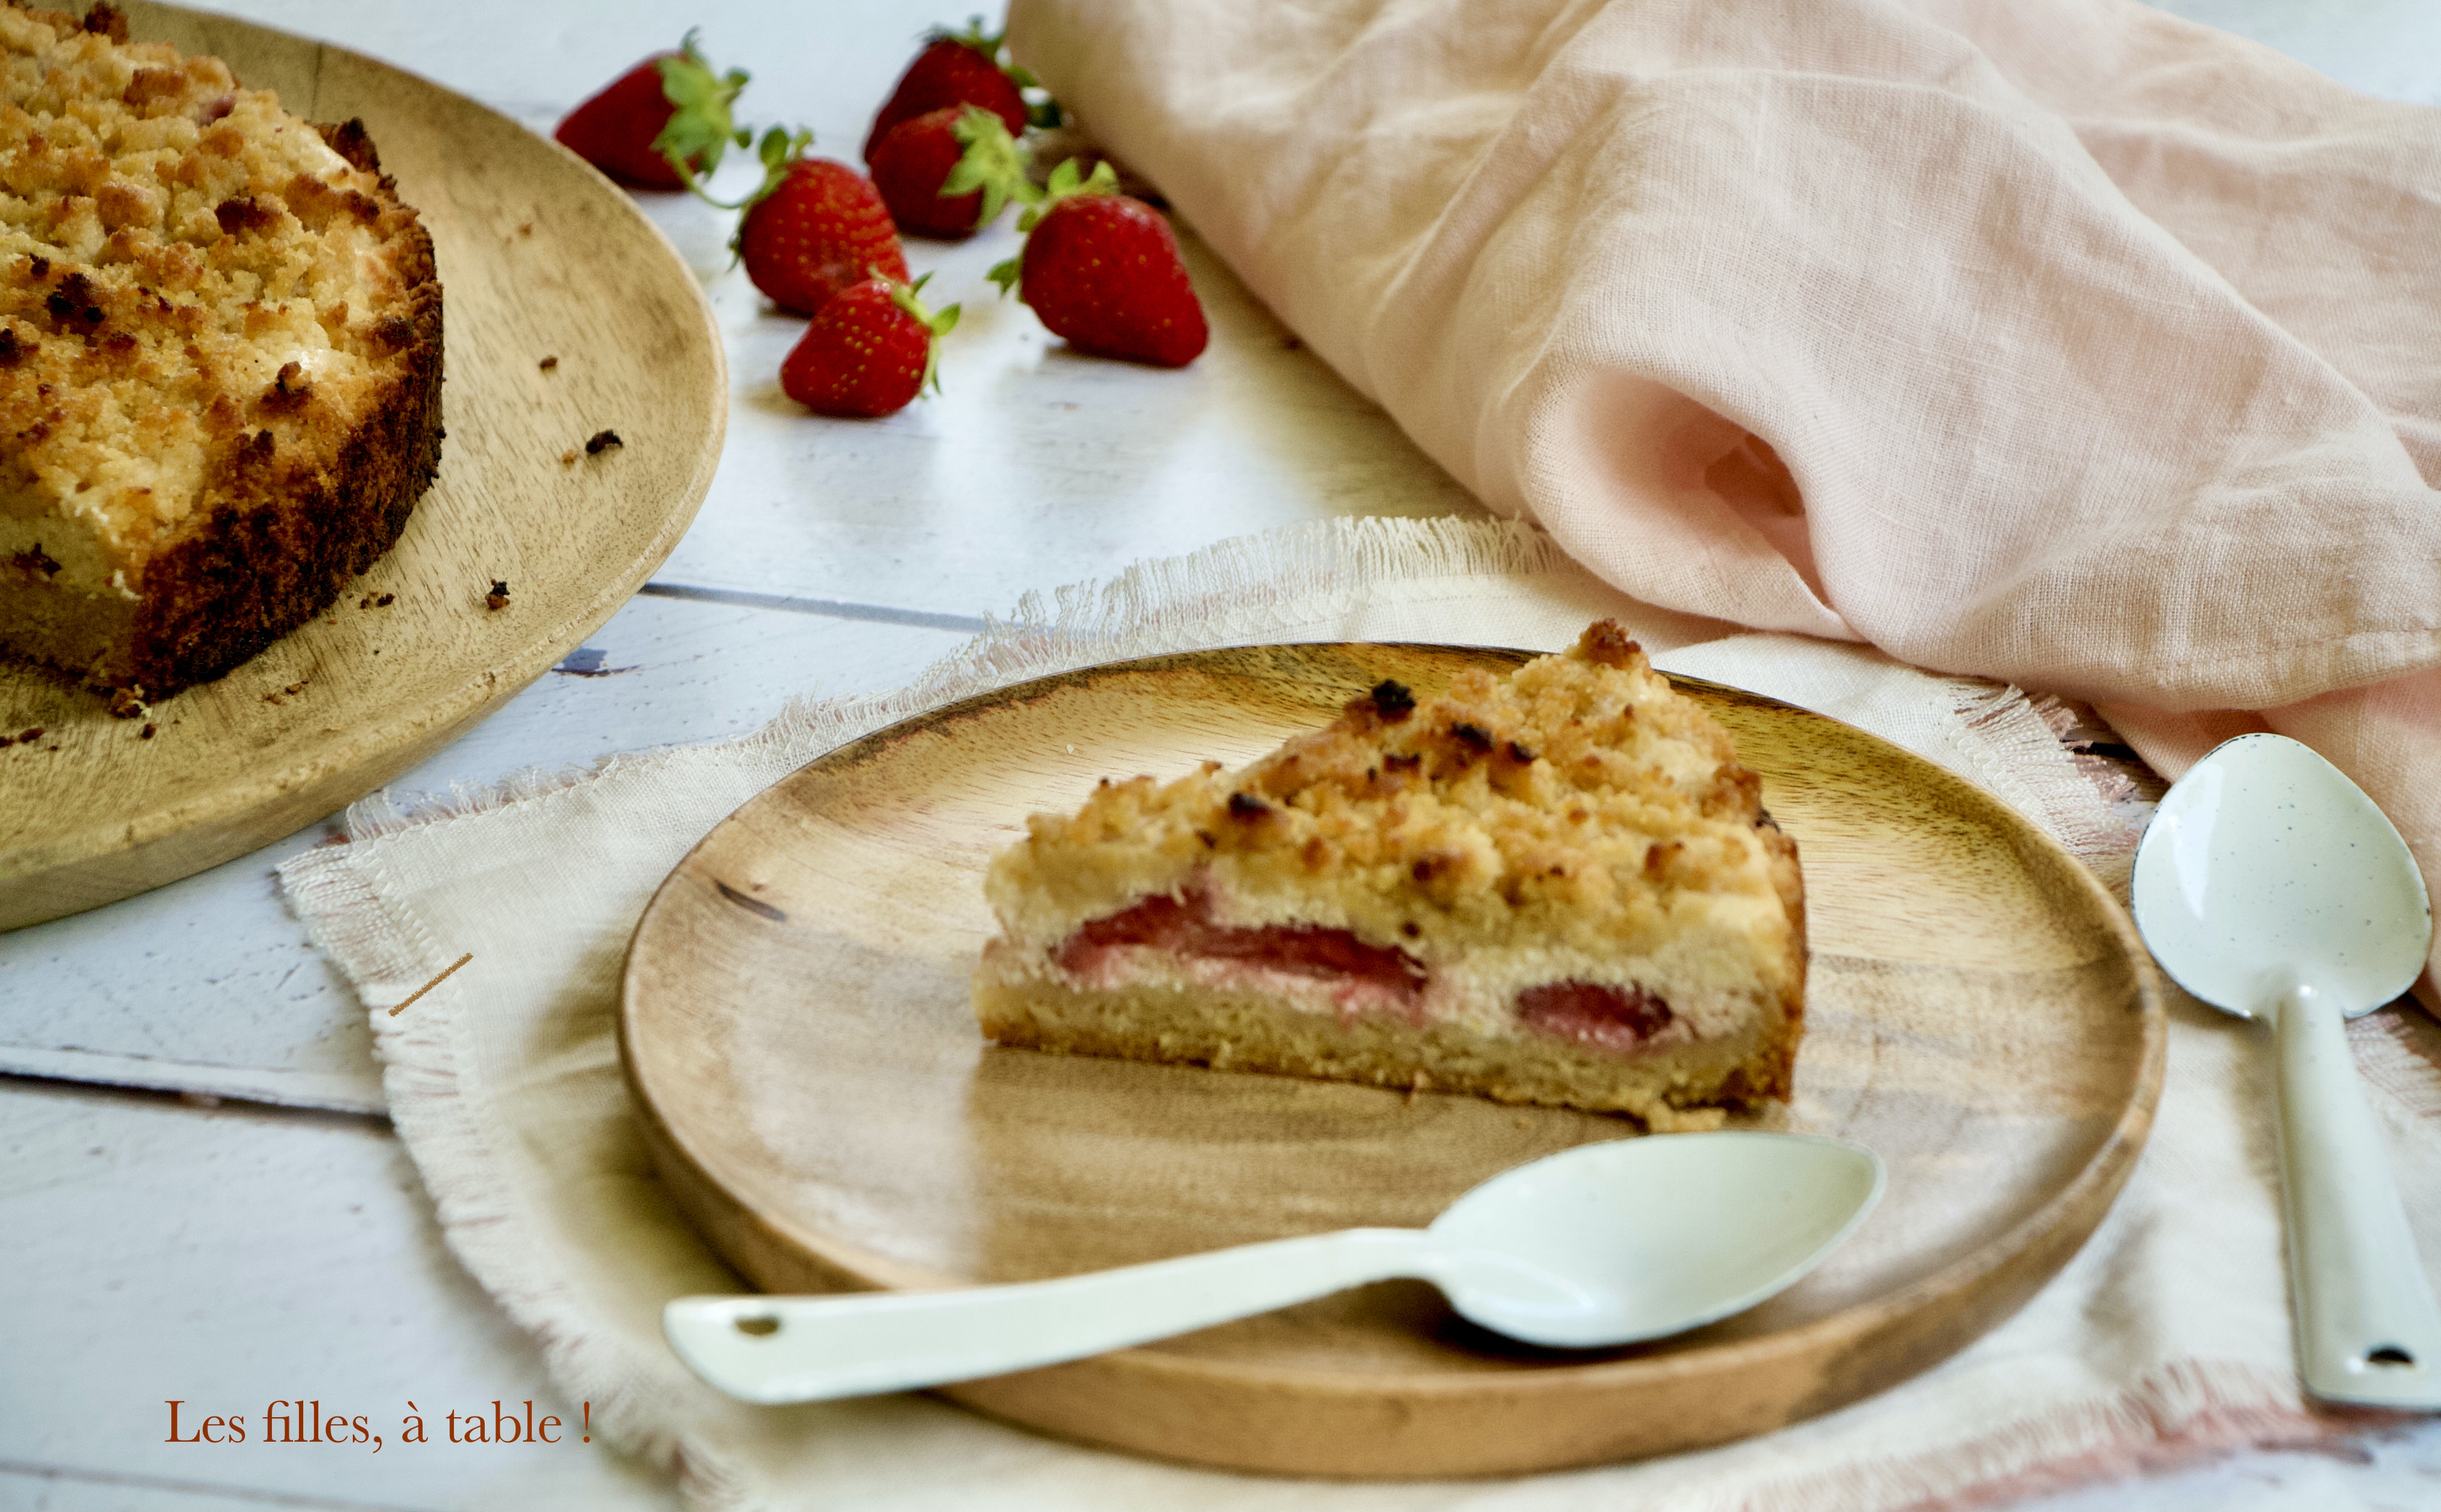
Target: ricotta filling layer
{"type": "Point", "coordinates": [1318, 968]}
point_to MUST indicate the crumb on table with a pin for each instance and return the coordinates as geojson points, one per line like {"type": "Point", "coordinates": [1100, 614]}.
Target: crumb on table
{"type": "Point", "coordinates": [602, 440]}
{"type": "Point", "coordinates": [498, 597]}
{"type": "Point", "coordinates": [549, 363]}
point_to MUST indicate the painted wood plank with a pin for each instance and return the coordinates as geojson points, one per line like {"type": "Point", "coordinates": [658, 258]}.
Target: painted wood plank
{"type": "Point", "coordinates": [39, 1489]}
{"type": "Point", "coordinates": [234, 1257]}
{"type": "Point", "coordinates": [2386, 48]}
{"type": "Point", "coordinates": [1035, 466]}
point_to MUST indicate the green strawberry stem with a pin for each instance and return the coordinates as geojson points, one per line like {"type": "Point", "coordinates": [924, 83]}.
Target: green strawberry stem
{"type": "Point", "coordinates": [993, 163]}
{"type": "Point", "coordinates": [700, 125]}
{"type": "Point", "coordinates": [1065, 183]}
{"type": "Point", "coordinates": [904, 296]}
{"type": "Point", "coordinates": [780, 148]}
{"type": "Point", "coordinates": [703, 127]}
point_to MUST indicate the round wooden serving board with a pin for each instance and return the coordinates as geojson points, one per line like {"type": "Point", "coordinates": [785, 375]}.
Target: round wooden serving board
{"type": "Point", "coordinates": [797, 1036]}
{"type": "Point", "coordinates": [539, 257]}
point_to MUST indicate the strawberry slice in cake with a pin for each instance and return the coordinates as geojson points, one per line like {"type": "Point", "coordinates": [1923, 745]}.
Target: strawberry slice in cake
{"type": "Point", "coordinates": [1556, 885]}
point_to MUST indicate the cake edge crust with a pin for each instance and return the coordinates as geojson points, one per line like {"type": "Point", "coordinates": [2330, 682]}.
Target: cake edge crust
{"type": "Point", "coordinates": [273, 557]}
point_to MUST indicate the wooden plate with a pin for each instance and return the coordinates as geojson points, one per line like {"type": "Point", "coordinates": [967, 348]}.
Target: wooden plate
{"type": "Point", "coordinates": [539, 257]}
{"type": "Point", "coordinates": [796, 1032]}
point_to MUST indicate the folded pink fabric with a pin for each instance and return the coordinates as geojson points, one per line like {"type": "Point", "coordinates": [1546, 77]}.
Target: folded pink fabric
{"type": "Point", "coordinates": [2059, 341]}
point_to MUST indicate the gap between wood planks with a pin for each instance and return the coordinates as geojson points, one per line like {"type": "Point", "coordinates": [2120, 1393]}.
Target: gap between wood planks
{"type": "Point", "coordinates": [67, 1477]}
{"type": "Point", "coordinates": [37, 1084]}
{"type": "Point", "coordinates": [833, 608]}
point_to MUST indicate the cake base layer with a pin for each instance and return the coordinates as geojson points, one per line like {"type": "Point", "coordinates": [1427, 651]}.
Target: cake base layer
{"type": "Point", "coordinates": [1248, 1030]}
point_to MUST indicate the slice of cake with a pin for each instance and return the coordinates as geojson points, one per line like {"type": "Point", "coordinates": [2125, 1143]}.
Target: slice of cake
{"type": "Point", "coordinates": [220, 358]}
{"type": "Point", "coordinates": [1557, 886]}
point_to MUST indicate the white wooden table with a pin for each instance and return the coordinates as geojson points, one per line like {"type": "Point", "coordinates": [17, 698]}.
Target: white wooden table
{"type": "Point", "coordinates": [199, 1197]}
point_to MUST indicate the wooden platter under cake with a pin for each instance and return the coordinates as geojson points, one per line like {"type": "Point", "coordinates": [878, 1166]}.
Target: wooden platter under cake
{"type": "Point", "coordinates": [540, 256]}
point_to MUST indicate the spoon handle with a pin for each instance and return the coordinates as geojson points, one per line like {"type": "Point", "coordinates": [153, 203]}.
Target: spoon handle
{"type": "Point", "coordinates": [800, 1349]}
{"type": "Point", "coordinates": [2367, 1328]}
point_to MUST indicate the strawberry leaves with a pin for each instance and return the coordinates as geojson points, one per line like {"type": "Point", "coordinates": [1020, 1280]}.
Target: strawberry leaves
{"type": "Point", "coordinates": [993, 163]}
{"type": "Point", "coordinates": [700, 127]}
{"type": "Point", "coordinates": [904, 296]}
{"type": "Point", "coordinates": [1064, 183]}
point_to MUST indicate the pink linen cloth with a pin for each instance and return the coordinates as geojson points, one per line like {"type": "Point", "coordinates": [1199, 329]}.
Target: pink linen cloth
{"type": "Point", "coordinates": [2059, 341]}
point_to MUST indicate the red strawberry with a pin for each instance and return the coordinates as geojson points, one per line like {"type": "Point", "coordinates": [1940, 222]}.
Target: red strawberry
{"type": "Point", "coordinates": [954, 68]}
{"type": "Point", "coordinates": [871, 351]}
{"type": "Point", "coordinates": [820, 229]}
{"type": "Point", "coordinates": [1103, 270]}
{"type": "Point", "coordinates": [910, 164]}
{"type": "Point", "coordinates": [669, 109]}
{"type": "Point", "coordinates": [947, 172]}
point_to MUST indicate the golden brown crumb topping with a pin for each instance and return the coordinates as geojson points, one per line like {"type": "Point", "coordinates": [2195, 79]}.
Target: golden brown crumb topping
{"type": "Point", "coordinates": [1580, 798]}
{"type": "Point", "coordinates": [198, 292]}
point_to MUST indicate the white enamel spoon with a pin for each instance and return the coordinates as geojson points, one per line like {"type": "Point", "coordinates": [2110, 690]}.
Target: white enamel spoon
{"type": "Point", "coordinates": [1604, 1244]}
{"type": "Point", "coordinates": [2270, 887]}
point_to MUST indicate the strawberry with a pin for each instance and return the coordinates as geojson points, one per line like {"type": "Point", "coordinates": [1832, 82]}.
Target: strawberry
{"type": "Point", "coordinates": [873, 348]}
{"type": "Point", "coordinates": [1103, 270]}
{"type": "Point", "coordinates": [660, 122]}
{"type": "Point", "coordinates": [954, 68]}
{"type": "Point", "coordinates": [818, 228]}
{"type": "Point", "coordinates": [947, 172]}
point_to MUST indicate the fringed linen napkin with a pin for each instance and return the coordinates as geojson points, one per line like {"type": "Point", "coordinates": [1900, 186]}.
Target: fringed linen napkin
{"type": "Point", "coordinates": [503, 1082]}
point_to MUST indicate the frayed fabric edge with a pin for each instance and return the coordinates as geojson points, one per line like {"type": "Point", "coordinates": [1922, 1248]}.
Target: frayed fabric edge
{"type": "Point", "coordinates": [434, 1108]}
{"type": "Point", "coordinates": [2023, 762]}
{"type": "Point", "coordinates": [2174, 1415]}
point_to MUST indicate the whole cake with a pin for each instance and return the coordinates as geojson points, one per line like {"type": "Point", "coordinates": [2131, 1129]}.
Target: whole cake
{"type": "Point", "coordinates": [220, 358]}
{"type": "Point", "coordinates": [1556, 885]}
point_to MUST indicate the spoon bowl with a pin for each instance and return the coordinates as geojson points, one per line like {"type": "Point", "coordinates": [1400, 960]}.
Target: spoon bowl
{"type": "Point", "coordinates": [2270, 887]}
{"type": "Point", "coordinates": [1605, 1243]}
{"type": "Point", "coordinates": [1648, 1237]}
{"type": "Point", "coordinates": [2265, 865]}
